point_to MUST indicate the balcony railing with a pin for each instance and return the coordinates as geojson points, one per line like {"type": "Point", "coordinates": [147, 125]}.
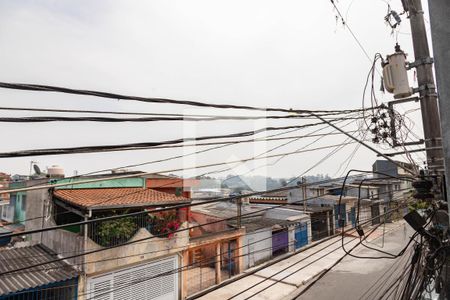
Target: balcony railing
{"type": "Point", "coordinates": [119, 231]}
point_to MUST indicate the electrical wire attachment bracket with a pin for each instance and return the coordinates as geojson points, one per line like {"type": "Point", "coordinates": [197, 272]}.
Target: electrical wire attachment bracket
{"type": "Point", "coordinates": [423, 87]}
{"type": "Point", "coordinates": [420, 61]}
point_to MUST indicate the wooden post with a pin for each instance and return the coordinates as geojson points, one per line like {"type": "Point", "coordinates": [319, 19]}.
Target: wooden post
{"type": "Point", "coordinates": [328, 223]}
{"type": "Point", "coordinates": [304, 193]}
{"type": "Point", "coordinates": [184, 274]}
{"type": "Point", "coordinates": [217, 264]}
{"type": "Point", "coordinates": [239, 253]}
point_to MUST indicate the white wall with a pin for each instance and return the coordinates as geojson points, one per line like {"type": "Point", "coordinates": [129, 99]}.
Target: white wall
{"type": "Point", "coordinates": [257, 247]}
{"type": "Point", "coordinates": [283, 213]}
{"type": "Point", "coordinates": [296, 195]}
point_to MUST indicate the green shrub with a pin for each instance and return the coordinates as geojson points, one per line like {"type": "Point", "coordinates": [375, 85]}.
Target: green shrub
{"type": "Point", "coordinates": [116, 231]}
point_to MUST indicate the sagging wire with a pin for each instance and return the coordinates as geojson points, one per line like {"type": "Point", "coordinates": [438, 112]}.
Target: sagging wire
{"type": "Point", "coordinates": [358, 228]}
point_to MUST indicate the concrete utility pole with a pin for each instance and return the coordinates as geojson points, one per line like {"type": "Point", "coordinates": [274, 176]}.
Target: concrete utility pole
{"type": "Point", "coordinates": [426, 87]}
{"type": "Point", "coordinates": [440, 34]}
{"type": "Point", "coordinates": [304, 193]}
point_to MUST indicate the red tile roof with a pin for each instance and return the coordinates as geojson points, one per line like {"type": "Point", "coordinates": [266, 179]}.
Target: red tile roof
{"type": "Point", "coordinates": [102, 198]}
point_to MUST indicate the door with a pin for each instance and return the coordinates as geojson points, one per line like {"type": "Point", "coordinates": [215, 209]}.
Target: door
{"type": "Point", "coordinates": [352, 216]}
{"type": "Point", "coordinates": [280, 241]}
{"type": "Point", "coordinates": [154, 280]}
{"type": "Point", "coordinates": [301, 236]}
{"type": "Point", "coordinates": [251, 251]}
{"type": "Point", "coordinates": [339, 209]}
{"type": "Point", "coordinates": [375, 210]}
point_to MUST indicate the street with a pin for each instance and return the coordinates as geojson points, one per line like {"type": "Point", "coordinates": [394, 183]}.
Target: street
{"type": "Point", "coordinates": [357, 278]}
{"type": "Point", "coordinates": [287, 278]}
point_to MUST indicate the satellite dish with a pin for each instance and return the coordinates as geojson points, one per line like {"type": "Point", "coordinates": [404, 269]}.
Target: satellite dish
{"type": "Point", "coordinates": [37, 169]}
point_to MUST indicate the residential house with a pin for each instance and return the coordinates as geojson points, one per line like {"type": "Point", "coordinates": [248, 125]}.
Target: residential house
{"type": "Point", "coordinates": [6, 213]}
{"type": "Point", "coordinates": [322, 224]}
{"type": "Point", "coordinates": [322, 219]}
{"type": "Point", "coordinates": [13, 212]}
{"type": "Point", "coordinates": [4, 184]}
{"type": "Point", "coordinates": [297, 195]}
{"type": "Point", "coordinates": [391, 188]}
{"type": "Point", "coordinates": [209, 188]}
{"type": "Point", "coordinates": [269, 231]}
{"type": "Point", "coordinates": [129, 255]}
{"type": "Point", "coordinates": [279, 197]}
{"type": "Point", "coordinates": [215, 248]}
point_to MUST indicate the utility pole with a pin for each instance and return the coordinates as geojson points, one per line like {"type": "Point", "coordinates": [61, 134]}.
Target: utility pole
{"type": "Point", "coordinates": [426, 87]}
{"type": "Point", "coordinates": [440, 34]}
{"type": "Point", "coordinates": [304, 193]}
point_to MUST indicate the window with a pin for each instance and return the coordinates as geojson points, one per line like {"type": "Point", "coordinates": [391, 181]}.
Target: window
{"type": "Point", "coordinates": [24, 202]}
{"type": "Point", "coordinates": [12, 200]}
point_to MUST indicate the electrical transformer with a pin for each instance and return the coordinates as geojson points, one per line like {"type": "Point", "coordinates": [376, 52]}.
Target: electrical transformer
{"type": "Point", "coordinates": [395, 75]}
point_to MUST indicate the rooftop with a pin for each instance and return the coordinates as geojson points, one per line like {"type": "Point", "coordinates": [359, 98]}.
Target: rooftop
{"type": "Point", "coordinates": [16, 258]}
{"type": "Point", "coordinates": [103, 198]}
{"type": "Point", "coordinates": [311, 209]}
{"type": "Point", "coordinates": [257, 223]}
{"type": "Point", "coordinates": [225, 210]}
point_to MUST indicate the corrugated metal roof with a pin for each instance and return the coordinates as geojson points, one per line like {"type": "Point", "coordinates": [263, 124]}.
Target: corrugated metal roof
{"type": "Point", "coordinates": [16, 258]}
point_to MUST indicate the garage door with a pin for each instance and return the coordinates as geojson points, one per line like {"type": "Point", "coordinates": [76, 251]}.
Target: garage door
{"type": "Point", "coordinates": [155, 280]}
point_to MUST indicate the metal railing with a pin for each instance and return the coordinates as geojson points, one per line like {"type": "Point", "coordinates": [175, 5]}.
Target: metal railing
{"type": "Point", "coordinates": [118, 231]}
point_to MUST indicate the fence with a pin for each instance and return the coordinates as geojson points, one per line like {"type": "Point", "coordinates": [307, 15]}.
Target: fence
{"type": "Point", "coordinates": [118, 231]}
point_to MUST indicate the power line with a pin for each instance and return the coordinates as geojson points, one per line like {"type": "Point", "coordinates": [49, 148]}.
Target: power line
{"type": "Point", "coordinates": [107, 95]}
{"type": "Point", "coordinates": [162, 171]}
{"type": "Point", "coordinates": [207, 173]}
{"type": "Point", "coordinates": [381, 281]}
{"type": "Point", "coordinates": [367, 146]}
{"type": "Point", "coordinates": [225, 143]}
{"type": "Point", "coordinates": [146, 145]}
{"type": "Point", "coordinates": [281, 157]}
{"type": "Point", "coordinates": [274, 137]}
{"type": "Point", "coordinates": [78, 111]}
{"type": "Point", "coordinates": [170, 158]}
{"type": "Point", "coordinates": [344, 22]}
{"type": "Point", "coordinates": [42, 119]}
{"type": "Point", "coordinates": [390, 256]}
{"type": "Point", "coordinates": [254, 158]}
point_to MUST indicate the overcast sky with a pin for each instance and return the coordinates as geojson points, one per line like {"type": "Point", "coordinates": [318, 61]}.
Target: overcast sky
{"type": "Point", "coordinates": [291, 54]}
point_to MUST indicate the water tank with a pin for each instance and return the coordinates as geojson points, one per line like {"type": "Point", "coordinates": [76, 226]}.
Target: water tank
{"type": "Point", "coordinates": [55, 171]}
